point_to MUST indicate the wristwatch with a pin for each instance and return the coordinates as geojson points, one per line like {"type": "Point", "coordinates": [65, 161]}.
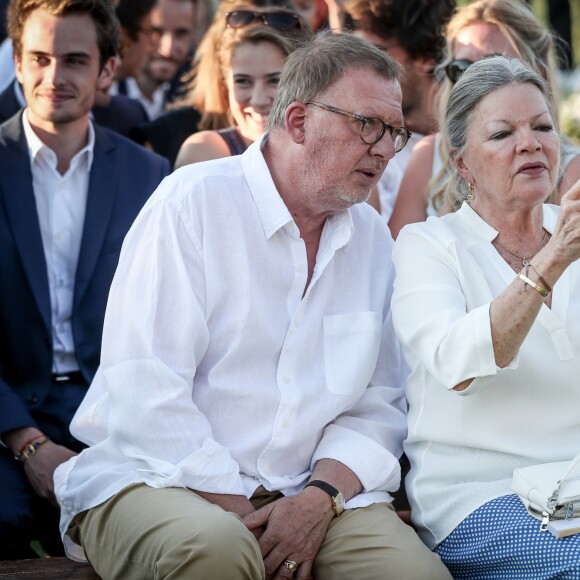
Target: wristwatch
{"type": "Point", "coordinates": [336, 497]}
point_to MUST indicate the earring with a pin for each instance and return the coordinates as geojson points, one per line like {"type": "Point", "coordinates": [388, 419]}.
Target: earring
{"type": "Point", "coordinates": [470, 188]}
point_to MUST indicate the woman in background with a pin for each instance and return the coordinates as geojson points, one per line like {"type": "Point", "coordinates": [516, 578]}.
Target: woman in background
{"type": "Point", "coordinates": [480, 29]}
{"type": "Point", "coordinates": [167, 133]}
{"type": "Point", "coordinates": [250, 60]}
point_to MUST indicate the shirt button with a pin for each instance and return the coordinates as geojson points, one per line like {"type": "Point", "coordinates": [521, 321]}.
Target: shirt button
{"type": "Point", "coordinates": [32, 399]}
{"type": "Point", "coordinates": [287, 380]}
{"type": "Point", "coordinates": [301, 268]}
{"type": "Point", "coordinates": [297, 323]}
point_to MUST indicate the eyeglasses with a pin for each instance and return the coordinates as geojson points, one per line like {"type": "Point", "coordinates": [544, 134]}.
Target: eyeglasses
{"type": "Point", "coordinates": [456, 68]}
{"type": "Point", "coordinates": [279, 19]}
{"type": "Point", "coordinates": [371, 128]}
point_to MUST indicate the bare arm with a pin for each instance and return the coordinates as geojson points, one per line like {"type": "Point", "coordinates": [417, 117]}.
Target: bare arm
{"type": "Point", "coordinates": [202, 146]}
{"type": "Point", "coordinates": [514, 311]}
{"type": "Point", "coordinates": [411, 203]}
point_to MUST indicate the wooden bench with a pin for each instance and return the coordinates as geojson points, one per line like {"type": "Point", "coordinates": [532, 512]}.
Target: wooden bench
{"type": "Point", "coordinates": [46, 569]}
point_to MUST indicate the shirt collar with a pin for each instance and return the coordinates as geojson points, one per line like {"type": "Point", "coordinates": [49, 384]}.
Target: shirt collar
{"type": "Point", "coordinates": [36, 145]}
{"type": "Point", "coordinates": [477, 226]}
{"type": "Point", "coordinates": [272, 210]}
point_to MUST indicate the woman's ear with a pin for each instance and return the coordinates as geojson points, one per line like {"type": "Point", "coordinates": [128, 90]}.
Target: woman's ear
{"type": "Point", "coordinates": [295, 121]}
{"type": "Point", "coordinates": [460, 165]}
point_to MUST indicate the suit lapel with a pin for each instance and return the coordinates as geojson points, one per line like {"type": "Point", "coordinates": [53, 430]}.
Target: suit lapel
{"type": "Point", "coordinates": [100, 201]}
{"type": "Point", "coordinates": [21, 211]}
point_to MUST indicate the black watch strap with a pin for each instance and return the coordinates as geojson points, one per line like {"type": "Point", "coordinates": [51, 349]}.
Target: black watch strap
{"type": "Point", "coordinates": [329, 489]}
{"type": "Point", "coordinates": [335, 495]}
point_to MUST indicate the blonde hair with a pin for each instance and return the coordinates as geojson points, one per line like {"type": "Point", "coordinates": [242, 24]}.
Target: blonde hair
{"type": "Point", "coordinates": [531, 41]}
{"type": "Point", "coordinates": [206, 89]}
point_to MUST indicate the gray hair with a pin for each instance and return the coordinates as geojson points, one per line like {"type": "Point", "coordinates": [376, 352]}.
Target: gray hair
{"type": "Point", "coordinates": [482, 78]}
{"type": "Point", "coordinates": [318, 63]}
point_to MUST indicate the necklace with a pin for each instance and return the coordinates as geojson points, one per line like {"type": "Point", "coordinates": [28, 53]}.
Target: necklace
{"type": "Point", "coordinates": [525, 261]}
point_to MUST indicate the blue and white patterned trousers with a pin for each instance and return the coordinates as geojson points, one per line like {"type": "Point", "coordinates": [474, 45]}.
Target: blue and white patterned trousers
{"type": "Point", "coordinates": [501, 540]}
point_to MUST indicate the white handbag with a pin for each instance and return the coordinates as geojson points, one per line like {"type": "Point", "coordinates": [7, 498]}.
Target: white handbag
{"type": "Point", "coordinates": [550, 491]}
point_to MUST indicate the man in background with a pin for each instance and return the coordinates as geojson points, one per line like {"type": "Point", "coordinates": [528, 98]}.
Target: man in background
{"type": "Point", "coordinates": [411, 31]}
{"type": "Point", "coordinates": [69, 190]}
{"type": "Point", "coordinates": [173, 23]}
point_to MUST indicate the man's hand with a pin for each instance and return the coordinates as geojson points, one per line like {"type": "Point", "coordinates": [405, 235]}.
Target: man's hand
{"type": "Point", "coordinates": [295, 527]}
{"type": "Point", "coordinates": [237, 504]}
{"type": "Point", "coordinates": [40, 466]}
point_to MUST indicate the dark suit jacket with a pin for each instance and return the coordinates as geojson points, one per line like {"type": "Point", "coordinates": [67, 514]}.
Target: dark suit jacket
{"type": "Point", "coordinates": [122, 115]}
{"type": "Point", "coordinates": [123, 176]}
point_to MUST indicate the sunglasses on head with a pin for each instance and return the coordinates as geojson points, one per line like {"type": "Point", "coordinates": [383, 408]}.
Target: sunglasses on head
{"type": "Point", "coordinates": [456, 68]}
{"type": "Point", "coordinates": [280, 20]}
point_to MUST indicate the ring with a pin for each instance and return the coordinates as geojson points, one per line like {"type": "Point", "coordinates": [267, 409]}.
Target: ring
{"type": "Point", "coordinates": [291, 565]}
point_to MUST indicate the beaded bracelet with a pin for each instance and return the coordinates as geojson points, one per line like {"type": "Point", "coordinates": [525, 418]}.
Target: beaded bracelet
{"type": "Point", "coordinates": [30, 447]}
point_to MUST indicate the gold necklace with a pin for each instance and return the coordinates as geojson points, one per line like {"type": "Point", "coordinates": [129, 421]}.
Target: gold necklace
{"type": "Point", "coordinates": [525, 261]}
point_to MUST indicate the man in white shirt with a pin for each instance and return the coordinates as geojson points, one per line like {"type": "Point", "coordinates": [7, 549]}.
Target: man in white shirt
{"type": "Point", "coordinates": [69, 190]}
{"type": "Point", "coordinates": [411, 31]}
{"type": "Point", "coordinates": [250, 383]}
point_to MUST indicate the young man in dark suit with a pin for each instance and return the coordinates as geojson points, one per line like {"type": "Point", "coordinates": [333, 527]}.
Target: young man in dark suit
{"type": "Point", "coordinates": [69, 191]}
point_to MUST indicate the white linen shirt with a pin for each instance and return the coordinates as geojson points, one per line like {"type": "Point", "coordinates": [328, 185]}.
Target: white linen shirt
{"type": "Point", "coordinates": [463, 446]}
{"type": "Point", "coordinates": [217, 374]}
{"type": "Point", "coordinates": [61, 202]}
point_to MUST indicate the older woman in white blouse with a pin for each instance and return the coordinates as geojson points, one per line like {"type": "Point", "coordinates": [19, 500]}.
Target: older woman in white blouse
{"type": "Point", "coordinates": [487, 306]}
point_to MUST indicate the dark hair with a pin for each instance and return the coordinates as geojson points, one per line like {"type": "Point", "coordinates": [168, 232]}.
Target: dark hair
{"type": "Point", "coordinates": [131, 14]}
{"type": "Point", "coordinates": [100, 11]}
{"type": "Point", "coordinates": [417, 25]}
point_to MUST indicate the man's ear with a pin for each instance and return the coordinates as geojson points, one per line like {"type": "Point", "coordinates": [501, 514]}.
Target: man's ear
{"type": "Point", "coordinates": [107, 74]}
{"type": "Point", "coordinates": [295, 121]}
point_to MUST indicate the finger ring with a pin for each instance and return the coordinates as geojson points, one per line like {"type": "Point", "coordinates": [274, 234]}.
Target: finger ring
{"type": "Point", "coordinates": [291, 565]}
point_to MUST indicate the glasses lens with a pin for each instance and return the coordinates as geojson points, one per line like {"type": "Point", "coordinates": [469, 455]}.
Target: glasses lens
{"type": "Point", "coordinates": [240, 18]}
{"type": "Point", "coordinates": [400, 138]}
{"type": "Point", "coordinates": [282, 20]}
{"type": "Point", "coordinates": [456, 68]}
{"type": "Point", "coordinates": [371, 130]}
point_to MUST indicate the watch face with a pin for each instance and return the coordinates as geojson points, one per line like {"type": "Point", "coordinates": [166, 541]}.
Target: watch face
{"type": "Point", "coordinates": [339, 503]}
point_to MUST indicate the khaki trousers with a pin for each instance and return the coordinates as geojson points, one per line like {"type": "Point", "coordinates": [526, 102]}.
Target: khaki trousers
{"type": "Point", "coordinates": [172, 533]}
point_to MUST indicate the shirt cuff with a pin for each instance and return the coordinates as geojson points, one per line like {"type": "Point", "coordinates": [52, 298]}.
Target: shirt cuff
{"type": "Point", "coordinates": [373, 464]}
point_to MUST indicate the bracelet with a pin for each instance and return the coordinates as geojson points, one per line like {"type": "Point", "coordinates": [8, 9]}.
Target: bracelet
{"type": "Point", "coordinates": [545, 293]}
{"type": "Point", "coordinates": [30, 447]}
{"type": "Point", "coordinates": [31, 440]}
{"type": "Point", "coordinates": [540, 279]}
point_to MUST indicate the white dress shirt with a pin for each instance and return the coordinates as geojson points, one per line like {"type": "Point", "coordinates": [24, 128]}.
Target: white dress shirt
{"type": "Point", "coordinates": [60, 204]}
{"type": "Point", "coordinates": [217, 374]}
{"type": "Point", "coordinates": [153, 106]}
{"type": "Point", "coordinates": [463, 446]}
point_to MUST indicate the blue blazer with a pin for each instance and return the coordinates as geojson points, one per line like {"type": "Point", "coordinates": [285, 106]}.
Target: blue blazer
{"type": "Point", "coordinates": [123, 176]}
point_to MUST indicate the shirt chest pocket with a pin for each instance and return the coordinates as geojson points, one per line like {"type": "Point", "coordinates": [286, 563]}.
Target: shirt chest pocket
{"type": "Point", "coordinates": [351, 348]}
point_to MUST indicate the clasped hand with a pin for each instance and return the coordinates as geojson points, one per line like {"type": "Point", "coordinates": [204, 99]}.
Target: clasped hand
{"type": "Point", "coordinates": [293, 528]}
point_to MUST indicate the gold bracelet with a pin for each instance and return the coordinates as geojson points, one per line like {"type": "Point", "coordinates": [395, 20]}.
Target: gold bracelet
{"type": "Point", "coordinates": [30, 448]}
{"type": "Point", "coordinates": [545, 293]}
{"type": "Point", "coordinates": [540, 279]}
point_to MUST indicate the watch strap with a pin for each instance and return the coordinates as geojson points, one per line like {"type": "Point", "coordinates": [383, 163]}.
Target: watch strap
{"type": "Point", "coordinates": [334, 494]}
